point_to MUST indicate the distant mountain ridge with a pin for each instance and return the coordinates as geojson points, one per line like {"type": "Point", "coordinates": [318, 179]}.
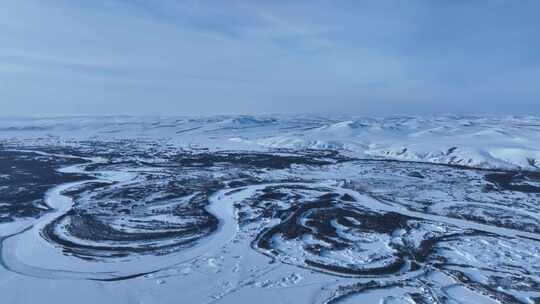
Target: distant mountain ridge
{"type": "Point", "coordinates": [488, 142]}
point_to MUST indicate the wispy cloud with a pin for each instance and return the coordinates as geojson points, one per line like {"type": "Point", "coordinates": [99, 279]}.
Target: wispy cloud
{"type": "Point", "coordinates": [197, 56]}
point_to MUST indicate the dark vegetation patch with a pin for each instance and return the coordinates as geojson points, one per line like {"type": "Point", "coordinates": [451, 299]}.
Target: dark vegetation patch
{"type": "Point", "coordinates": [519, 181]}
{"type": "Point", "coordinates": [271, 160]}
{"type": "Point", "coordinates": [24, 179]}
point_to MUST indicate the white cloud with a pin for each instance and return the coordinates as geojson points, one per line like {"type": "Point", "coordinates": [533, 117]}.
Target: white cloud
{"type": "Point", "coordinates": [181, 57]}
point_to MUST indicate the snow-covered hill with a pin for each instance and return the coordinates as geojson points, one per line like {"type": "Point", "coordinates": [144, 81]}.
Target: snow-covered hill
{"type": "Point", "coordinates": [487, 142]}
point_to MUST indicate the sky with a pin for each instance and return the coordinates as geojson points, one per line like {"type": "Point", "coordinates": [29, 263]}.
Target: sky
{"type": "Point", "coordinates": [171, 57]}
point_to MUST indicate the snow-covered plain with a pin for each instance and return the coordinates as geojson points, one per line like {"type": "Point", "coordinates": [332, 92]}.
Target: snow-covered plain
{"type": "Point", "coordinates": [272, 209]}
{"type": "Point", "coordinates": [487, 142]}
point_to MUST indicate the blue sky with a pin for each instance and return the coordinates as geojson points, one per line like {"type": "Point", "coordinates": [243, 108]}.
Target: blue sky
{"type": "Point", "coordinates": [170, 57]}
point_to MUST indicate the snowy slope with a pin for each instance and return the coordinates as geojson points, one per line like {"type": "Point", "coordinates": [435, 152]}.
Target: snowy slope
{"type": "Point", "coordinates": [488, 142]}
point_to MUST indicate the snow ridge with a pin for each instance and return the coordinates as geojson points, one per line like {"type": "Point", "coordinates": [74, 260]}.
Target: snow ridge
{"type": "Point", "coordinates": [507, 142]}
